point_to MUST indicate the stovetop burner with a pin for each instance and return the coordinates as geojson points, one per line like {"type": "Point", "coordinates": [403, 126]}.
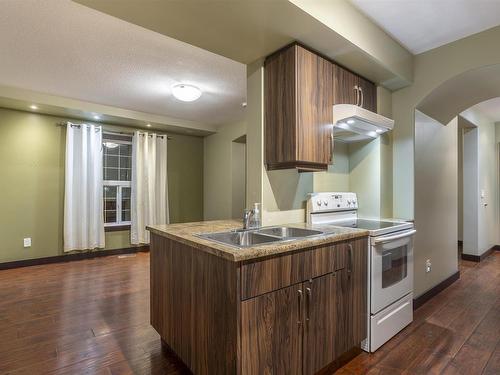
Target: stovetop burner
{"type": "Point", "coordinates": [366, 224]}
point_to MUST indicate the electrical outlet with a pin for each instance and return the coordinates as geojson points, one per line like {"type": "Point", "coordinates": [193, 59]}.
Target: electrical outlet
{"type": "Point", "coordinates": [27, 242]}
{"type": "Point", "coordinates": [428, 266]}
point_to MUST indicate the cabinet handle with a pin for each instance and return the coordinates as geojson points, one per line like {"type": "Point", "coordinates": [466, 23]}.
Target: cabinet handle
{"type": "Point", "coordinates": [356, 88]}
{"type": "Point", "coordinates": [330, 138]}
{"type": "Point", "coordinates": [308, 303]}
{"type": "Point", "coordinates": [349, 261]}
{"type": "Point", "coordinates": [362, 95]}
{"type": "Point", "coordinates": [299, 322]}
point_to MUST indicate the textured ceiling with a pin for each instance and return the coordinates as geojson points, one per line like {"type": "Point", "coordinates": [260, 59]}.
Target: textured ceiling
{"type": "Point", "coordinates": [63, 48]}
{"type": "Point", "coordinates": [421, 25]}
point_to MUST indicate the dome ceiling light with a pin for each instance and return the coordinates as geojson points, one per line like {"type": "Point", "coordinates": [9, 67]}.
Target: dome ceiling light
{"type": "Point", "coordinates": [186, 93]}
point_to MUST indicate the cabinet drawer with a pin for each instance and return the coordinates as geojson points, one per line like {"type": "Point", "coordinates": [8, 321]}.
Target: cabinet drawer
{"type": "Point", "coordinates": [342, 249]}
{"type": "Point", "coordinates": [263, 276]}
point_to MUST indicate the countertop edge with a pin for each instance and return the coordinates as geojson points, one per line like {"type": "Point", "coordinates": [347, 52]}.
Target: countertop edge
{"type": "Point", "coordinates": [257, 252]}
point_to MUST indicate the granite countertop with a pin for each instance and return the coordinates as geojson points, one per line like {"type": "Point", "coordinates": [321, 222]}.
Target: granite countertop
{"type": "Point", "coordinates": [187, 233]}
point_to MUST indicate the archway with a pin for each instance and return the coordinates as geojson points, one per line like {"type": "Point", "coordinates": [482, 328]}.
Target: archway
{"type": "Point", "coordinates": [461, 92]}
{"type": "Point", "coordinates": [436, 163]}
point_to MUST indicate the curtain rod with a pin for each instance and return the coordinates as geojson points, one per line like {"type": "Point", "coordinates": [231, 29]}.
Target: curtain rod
{"type": "Point", "coordinates": [112, 132]}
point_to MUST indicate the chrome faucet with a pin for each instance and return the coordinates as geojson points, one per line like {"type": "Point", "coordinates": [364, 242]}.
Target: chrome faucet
{"type": "Point", "coordinates": [251, 218]}
{"type": "Point", "coordinates": [247, 214]}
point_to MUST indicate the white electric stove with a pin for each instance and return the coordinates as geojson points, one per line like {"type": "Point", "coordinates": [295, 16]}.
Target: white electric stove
{"type": "Point", "coordinates": [390, 260]}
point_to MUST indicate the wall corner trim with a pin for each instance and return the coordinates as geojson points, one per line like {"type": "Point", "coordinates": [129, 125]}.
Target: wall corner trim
{"type": "Point", "coordinates": [419, 301]}
{"type": "Point", "coordinates": [483, 256]}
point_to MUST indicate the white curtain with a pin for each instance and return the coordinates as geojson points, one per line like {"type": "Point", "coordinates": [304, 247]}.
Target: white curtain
{"type": "Point", "coordinates": [83, 201]}
{"type": "Point", "coordinates": [149, 184]}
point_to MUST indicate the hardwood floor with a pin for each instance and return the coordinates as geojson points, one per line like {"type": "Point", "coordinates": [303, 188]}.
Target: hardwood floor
{"type": "Point", "coordinates": [456, 332]}
{"type": "Point", "coordinates": [92, 317]}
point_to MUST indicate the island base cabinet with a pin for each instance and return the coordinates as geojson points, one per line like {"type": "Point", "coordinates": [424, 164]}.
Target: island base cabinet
{"type": "Point", "coordinates": [215, 315]}
{"type": "Point", "coordinates": [271, 333]}
{"type": "Point", "coordinates": [290, 331]}
{"type": "Point", "coordinates": [194, 305]}
{"type": "Point", "coordinates": [319, 327]}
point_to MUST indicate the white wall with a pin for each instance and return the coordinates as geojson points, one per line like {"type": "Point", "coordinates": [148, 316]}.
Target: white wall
{"type": "Point", "coordinates": [436, 192]}
{"type": "Point", "coordinates": [488, 186]}
{"type": "Point", "coordinates": [365, 176]}
{"type": "Point", "coordinates": [336, 178]}
{"type": "Point", "coordinates": [360, 167]}
{"type": "Point", "coordinates": [488, 225]}
{"type": "Point", "coordinates": [470, 191]}
{"type": "Point", "coordinates": [497, 132]}
{"type": "Point", "coordinates": [460, 200]}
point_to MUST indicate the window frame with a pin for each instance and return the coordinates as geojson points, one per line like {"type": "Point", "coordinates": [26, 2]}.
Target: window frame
{"type": "Point", "coordinates": [119, 223]}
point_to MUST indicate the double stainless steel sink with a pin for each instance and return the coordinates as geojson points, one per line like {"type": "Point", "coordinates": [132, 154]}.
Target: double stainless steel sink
{"type": "Point", "coordinates": [261, 236]}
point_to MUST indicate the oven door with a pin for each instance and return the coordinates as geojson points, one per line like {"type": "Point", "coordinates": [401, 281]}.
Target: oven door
{"type": "Point", "coordinates": [391, 268]}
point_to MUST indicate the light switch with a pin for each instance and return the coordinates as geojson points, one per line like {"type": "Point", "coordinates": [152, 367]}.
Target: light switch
{"type": "Point", "coordinates": [27, 242]}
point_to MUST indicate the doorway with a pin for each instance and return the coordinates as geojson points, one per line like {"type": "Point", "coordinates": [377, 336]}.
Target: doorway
{"type": "Point", "coordinates": [238, 176]}
{"type": "Point", "coordinates": [468, 186]}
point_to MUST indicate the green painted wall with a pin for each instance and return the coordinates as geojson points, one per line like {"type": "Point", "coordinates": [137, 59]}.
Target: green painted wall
{"type": "Point", "coordinates": [32, 185]}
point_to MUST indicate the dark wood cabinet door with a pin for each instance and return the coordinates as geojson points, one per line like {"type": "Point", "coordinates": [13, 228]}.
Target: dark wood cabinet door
{"type": "Point", "coordinates": [345, 86]}
{"type": "Point", "coordinates": [314, 107]}
{"type": "Point", "coordinates": [271, 332]}
{"type": "Point", "coordinates": [298, 87]}
{"type": "Point", "coordinates": [280, 107]}
{"type": "Point", "coordinates": [349, 88]}
{"type": "Point", "coordinates": [320, 323]}
{"type": "Point", "coordinates": [343, 312]}
{"type": "Point", "coordinates": [351, 293]}
{"type": "Point", "coordinates": [368, 94]}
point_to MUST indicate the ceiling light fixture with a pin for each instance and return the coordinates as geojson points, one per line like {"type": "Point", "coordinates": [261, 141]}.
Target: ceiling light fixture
{"type": "Point", "coordinates": [148, 125]}
{"type": "Point", "coordinates": [186, 93]}
{"type": "Point", "coordinates": [34, 107]}
{"type": "Point", "coordinates": [97, 117]}
{"type": "Point", "coordinates": [350, 121]}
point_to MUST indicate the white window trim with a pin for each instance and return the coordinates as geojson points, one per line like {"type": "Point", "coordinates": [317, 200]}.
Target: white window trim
{"type": "Point", "coordinates": [119, 185]}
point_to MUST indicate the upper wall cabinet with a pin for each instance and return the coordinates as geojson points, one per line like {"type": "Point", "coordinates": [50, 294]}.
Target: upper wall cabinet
{"type": "Point", "coordinates": [298, 98]}
{"type": "Point", "coordinates": [350, 88]}
{"type": "Point", "coordinates": [300, 88]}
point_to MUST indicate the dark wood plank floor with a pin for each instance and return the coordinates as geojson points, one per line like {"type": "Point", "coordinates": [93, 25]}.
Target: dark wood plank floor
{"type": "Point", "coordinates": [92, 317]}
{"type": "Point", "coordinates": [456, 332]}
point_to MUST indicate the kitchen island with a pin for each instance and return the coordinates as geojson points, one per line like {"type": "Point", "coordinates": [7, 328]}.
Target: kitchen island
{"type": "Point", "coordinates": [291, 307]}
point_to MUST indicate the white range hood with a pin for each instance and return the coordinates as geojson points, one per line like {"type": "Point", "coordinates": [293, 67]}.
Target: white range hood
{"type": "Point", "coordinates": [354, 124]}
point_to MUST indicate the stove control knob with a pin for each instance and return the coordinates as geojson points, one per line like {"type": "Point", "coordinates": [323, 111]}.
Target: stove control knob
{"type": "Point", "coordinates": [318, 203]}
{"type": "Point", "coordinates": [325, 203]}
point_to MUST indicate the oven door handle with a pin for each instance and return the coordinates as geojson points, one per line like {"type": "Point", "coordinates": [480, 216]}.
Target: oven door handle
{"type": "Point", "coordinates": [379, 240]}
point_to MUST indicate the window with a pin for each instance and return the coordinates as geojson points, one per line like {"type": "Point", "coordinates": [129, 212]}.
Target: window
{"type": "Point", "coordinates": [117, 174]}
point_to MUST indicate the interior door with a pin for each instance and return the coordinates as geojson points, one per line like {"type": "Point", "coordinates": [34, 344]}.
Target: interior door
{"type": "Point", "coordinates": [320, 327]}
{"type": "Point", "coordinates": [271, 332]}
